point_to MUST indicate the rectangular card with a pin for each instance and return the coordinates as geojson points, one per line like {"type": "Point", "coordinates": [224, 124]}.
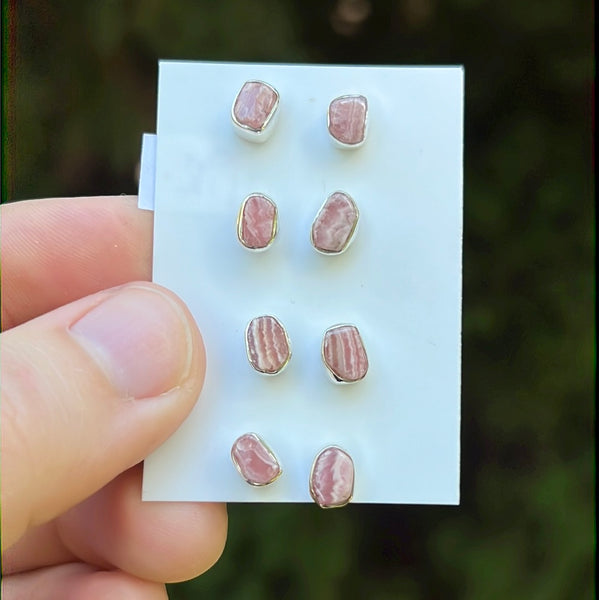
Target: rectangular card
{"type": "Point", "coordinates": [399, 283]}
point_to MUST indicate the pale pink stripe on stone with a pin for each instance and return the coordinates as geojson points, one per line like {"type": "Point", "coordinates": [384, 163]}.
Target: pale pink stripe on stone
{"type": "Point", "coordinates": [332, 478]}
{"type": "Point", "coordinates": [267, 345]}
{"type": "Point", "coordinates": [347, 119]}
{"type": "Point", "coordinates": [344, 353]}
{"type": "Point", "coordinates": [257, 222]}
{"type": "Point", "coordinates": [335, 223]}
{"type": "Point", "coordinates": [255, 462]}
{"type": "Point", "coordinates": [254, 105]}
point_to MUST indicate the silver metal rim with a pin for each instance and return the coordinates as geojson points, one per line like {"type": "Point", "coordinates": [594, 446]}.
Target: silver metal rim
{"type": "Point", "coordinates": [247, 347]}
{"type": "Point", "coordinates": [313, 493]}
{"type": "Point", "coordinates": [352, 233]}
{"type": "Point", "coordinates": [269, 118]}
{"type": "Point", "coordinates": [339, 143]}
{"type": "Point", "coordinates": [270, 452]}
{"type": "Point", "coordinates": [275, 226]}
{"type": "Point", "coordinates": [332, 375]}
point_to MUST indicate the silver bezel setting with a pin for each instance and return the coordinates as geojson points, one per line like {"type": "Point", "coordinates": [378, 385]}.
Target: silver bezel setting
{"type": "Point", "coordinates": [352, 233]}
{"type": "Point", "coordinates": [339, 143]}
{"type": "Point", "coordinates": [312, 493]}
{"type": "Point", "coordinates": [332, 375]}
{"type": "Point", "coordinates": [257, 136]}
{"type": "Point", "coordinates": [247, 347]}
{"type": "Point", "coordinates": [270, 452]}
{"type": "Point", "coordinates": [275, 225]}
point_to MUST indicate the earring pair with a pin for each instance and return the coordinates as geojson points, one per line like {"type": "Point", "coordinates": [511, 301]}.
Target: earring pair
{"type": "Point", "coordinates": [332, 231]}
{"type": "Point", "coordinates": [331, 476]}
{"type": "Point", "coordinates": [269, 350]}
{"type": "Point", "coordinates": [255, 111]}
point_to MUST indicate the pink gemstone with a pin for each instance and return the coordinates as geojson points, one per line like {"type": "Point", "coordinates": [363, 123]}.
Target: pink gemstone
{"type": "Point", "coordinates": [254, 460]}
{"type": "Point", "coordinates": [267, 345]}
{"type": "Point", "coordinates": [257, 223]}
{"type": "Point", "coordinates": [255, 105]}
{"type": "Point", "coordinates": [347, 119]}
{"type": "Point", "coordinates": [344, 354]}
{"type": "Point", "coordinates": [332, 478]}
{"type": "Point", "coordinates": [335, 224]}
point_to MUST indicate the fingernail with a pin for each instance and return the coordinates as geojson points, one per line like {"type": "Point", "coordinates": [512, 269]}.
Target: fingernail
{"type": "Point", "coordinates": [140, 338]}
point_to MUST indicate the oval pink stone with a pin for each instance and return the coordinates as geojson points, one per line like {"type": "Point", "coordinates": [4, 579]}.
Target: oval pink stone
{"type": "Point", "coordinates": [255, 105]}
{"type": "Point", "coordinates": [257, 222]}
{"type": "Point", "coordinates": [267, 345]}
{"type": "Point", "coordinates": [347, 119]}
{"type": "Point", "coordinates": [254, 460]}
{"type": "Point", "coordinates": [344, 354]}
{"type": "Point", "coordinates": [335, 224]}
{"type": "Point", "coordinates": [332, 478]}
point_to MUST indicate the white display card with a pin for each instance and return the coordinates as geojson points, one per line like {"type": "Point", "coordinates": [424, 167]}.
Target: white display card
{"type": "Point", "coordinates": [400, 282]}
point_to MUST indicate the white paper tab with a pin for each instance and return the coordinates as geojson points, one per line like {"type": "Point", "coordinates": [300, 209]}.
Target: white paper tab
{"type": "Point", "coordinates": [147, 172]}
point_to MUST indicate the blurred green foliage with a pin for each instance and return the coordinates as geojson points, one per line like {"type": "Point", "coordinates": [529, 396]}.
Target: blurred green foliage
{"type": "Point", "coordinates": [79, 89]}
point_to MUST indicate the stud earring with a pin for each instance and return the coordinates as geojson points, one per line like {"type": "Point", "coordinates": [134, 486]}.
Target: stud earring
{"type": "Point", "coordinates": [343, 354]}
{"type": "Point", "coordinates": [267, 345]}
{"type": "Point", "coordinates": [335, 224]}
{"type": "Point", "coordinates": [255, 110]}
{"type": "Point", "coordinates": [257, 222]}
{"type": "Point", "coordinates": [254, 460]}
{"type": "Point", "coordinates": [347, 121]}
{"type": "Point", "coordinates": [332, 478]}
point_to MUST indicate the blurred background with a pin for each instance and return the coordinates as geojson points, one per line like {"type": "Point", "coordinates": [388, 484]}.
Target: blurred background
{"type": "Point", "coordinates": [79, 88]}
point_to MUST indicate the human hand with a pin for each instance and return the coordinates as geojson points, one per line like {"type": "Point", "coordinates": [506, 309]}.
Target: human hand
{"type": "Point", "coordinates": [91, 382]}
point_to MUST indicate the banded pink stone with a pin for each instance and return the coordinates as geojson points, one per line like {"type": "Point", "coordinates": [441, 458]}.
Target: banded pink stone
{"type": "Point", "coordinates": [254, 460]}
{"type": "Point", "coordinates": [255, 106]}
{"type": "Point", "coordinates": [332, 478]}
{"type": "Point", "coordinates": [344, 354]}
{"type": "Point", "coordinates": [257, 222]}
{"type": "Point", "coordinates": [267, 345]}
{"type": "Point", "coordinates": [347, 120]}
{"type": "Point", "coordinates": [335, 224]}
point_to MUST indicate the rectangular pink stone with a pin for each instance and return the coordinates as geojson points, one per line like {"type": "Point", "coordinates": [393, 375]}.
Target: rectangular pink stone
{"type": "Point", "coordinates": [254, 105]}
{"type": "Point", "coordinates": [335, 224]}
{"type": "Point", "coordinates": [254, 460]}
{"type": "Point", "coordinates": [257, 222]}
{"type": "Point", "coordinates": [267, 345]}
{"type": "Point", "coordinates": [344, 353]}
{"type": "Point", "coordinates": [332, 478]}
{"type": "Point", "coordinates": [347, 119]}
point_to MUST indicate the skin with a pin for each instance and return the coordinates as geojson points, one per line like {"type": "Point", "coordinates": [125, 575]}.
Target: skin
{"type": "Point", "coordinates": [73, 437]}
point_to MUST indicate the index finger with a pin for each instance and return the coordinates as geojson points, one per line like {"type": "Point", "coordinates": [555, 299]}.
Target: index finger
{"type": "Point", "coordinates": [58, 250]}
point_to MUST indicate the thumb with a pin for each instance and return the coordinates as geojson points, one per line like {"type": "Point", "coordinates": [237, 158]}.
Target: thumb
{"type": "Point", "coordinates": [88, 390]}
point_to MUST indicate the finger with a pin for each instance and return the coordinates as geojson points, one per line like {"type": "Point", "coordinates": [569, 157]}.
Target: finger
{"type": "Point", "coordinates": [59, 250]}
{"type": "Point", "coordinates": [79, 582]}
{"type": "Point", "coordinates": [88, 391]}
{"type": "Point", "coordinates": [157, 541]}
{"type": "Point", "coordinates": [40, 547]}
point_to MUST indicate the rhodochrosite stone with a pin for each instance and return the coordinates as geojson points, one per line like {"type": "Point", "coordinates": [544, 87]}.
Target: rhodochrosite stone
{"type": "Point", "coordinates": [257, 223]}
{"type": "Point", "coordinates": [344, 354]}
{"type": "Point", "coordinates": [347, 120]}
{"type": "Point", "coordinates": [255, 105]}
{"type": "Point", "coordinates": [254, 460]}
{"type": "Point", "coordinates": [335, 224]}
{"type": "Point", "coordinates": [332, 478]}
{"type": "Point", "coordinates": [267, 345]}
